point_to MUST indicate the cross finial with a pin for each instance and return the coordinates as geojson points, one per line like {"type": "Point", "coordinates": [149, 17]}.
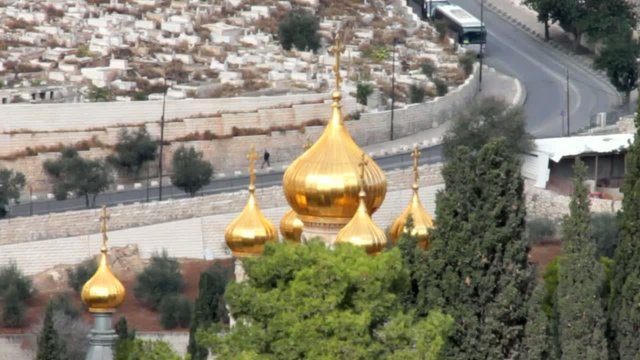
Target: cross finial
{"type": "Point", "coordinates": [104, 216]}
{"type": "Point", "coordinates": [415, 155]}
{"type": "Point", "coordinates": [252, 156]}
{"type": "Point", "coordinates": [362, 165]}
{"type": "Point", "coordinates": [337, 50]}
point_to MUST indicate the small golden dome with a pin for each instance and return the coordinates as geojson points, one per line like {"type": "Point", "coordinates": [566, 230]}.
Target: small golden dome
{"type": "Point", "coordinates": [361, 230]}
{"type": "Point", "coordinates": [322, 184]}
{"type": "Point", "coordinates": [422, 222]}
{"type": "Point", "coordinates": [248, 233]}
{"type": "Point", "coordinates": [291, 227]}
{"type": "Point", "coordinates": [103, 292]}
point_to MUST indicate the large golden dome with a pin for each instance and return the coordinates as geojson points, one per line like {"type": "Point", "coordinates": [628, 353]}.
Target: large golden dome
{"type": "Point", "coordinates": [291, 227]}
{"type": "Point", "coordinates": [103, 292]}
{"type": "Point", "coordinates": [248, 233]}
{"type": "Point", "coordinates": [322, 184]}
{"type": "Point", "coordinates": [361, 230]}
{"type": "Point", "coordinates": [422, 222]}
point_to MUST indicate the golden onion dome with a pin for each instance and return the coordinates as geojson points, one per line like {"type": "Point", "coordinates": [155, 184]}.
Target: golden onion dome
{"type": "Point", "coordinates": [291, 227]}
{"type": "Point", "coordinates": [103, 292]}
{"type": "Point", "coordinates": [247, 234]}
{"type": "Point", "coordinates": [362, 231]}
{"type": "Point", "coordinates": [422, 221]}
{"type": "Point", "coordinates": [322, 184]}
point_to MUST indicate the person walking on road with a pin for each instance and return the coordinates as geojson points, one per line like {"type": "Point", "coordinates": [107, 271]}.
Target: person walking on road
{"type": "Point", "coordinates": [266, 159]}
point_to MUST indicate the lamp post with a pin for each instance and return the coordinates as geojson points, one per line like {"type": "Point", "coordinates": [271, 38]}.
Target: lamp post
{"type": "Point", "coordinates": [164, 101]}
{"type": "Point", "coordinates": [484, 39]}
{"type": "Point", "coordinates": [568, 108]}
{"type": "Point", "coordinates": [393, 84]}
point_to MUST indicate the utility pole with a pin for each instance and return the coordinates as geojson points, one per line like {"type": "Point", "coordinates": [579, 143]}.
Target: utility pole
{"type": "Point", "coordinates": [393, 85]}
{"type": "Point", "coordinates": [568, 109]}
{"type": "Point", "coordinates": [164, 100]}
{"type": "Point", "coordinates": [484, 37]}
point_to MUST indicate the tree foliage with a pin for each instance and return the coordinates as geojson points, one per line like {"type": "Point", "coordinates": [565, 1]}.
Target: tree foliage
{"type": "Point", "coordinates": [315, 303]}
{"type": "Point", "coordinates": [50, 346]}
{"type": "Point", "coordinates": [624, 316]}
{"type": "Point", "coordinates": [581, 319]}
{"type": "Point", "coordinates": [209, 307]}
{"type": "Point", "coordinates": [476, 269]}
{"type": "Point", "coordinates": [363, 90]}
{"type": "Point", "coordinates": [537, 335]}
{"type": "Point", "coordinates": [72, 173]}
{"type": "Point", "coordinates": [13, 309]}
{"type": "Point", "coordinates": [618, 59]}
{"type": "Point", "coordinates": [79, 275]}
{"type": "Point", "coordinates": [484, 121]}
{"type": "Point", "coordinates": [160, 278]}
{"type": "Point", "coordinates": [11, 275]}
{"type": "Point", "coordinates": [11, 183]}
{"type": "Point", "coordinates": [175, 311]}
{"type": "Point", "coordinates": [190, 172]}
{"type": "Point", "coordinates": [133, 150]}
{"type": "Point", "coordinates": [299, 29]}
{"type": "Point", "coordinates": [137, 349]}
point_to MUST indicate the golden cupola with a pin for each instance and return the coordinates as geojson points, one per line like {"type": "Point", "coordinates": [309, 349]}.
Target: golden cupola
{"type": "Point", "coordinates": [322, 185]}
{"type": "Point", "coordinates": [422, 222]}
{"type": "Point", "coordinates": [291, 227]}
{"type": "Point", "coordinates": [249, 232]}
{"type": "Point", "coordinates": [361, 230]}
{"type": "Point", "coordinates": [103, 292]}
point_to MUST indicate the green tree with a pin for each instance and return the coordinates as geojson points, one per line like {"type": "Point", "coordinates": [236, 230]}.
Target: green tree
{"type": "Point", "coordinates": [476, 269]}
{"type": "Point", "coordinates": [133, 150]}
{"type": "Point", "coordinates": [11, 275]}
{"type": "Point", "coordinates": [190, 172]}
{"type": "Point", "coordinates": [79, 275]}
{"type": "Point", "coordinates": [544, 8]}
{"type": "Point", "coordinates": [13, 309]}
{"type": "Point", "coordinates": [99, 94]}
{"type": "Point", "coordinates": [315, 303]}
{"type": "Point", "coordinates": [416, 94]}
{"type": "Point", "coordinates": [137, 349]}
{"type": "Point", "coordinates": [175, 311]}
{"type": "Point", "coordinates": [537, 336]}
{"type": "Point", "coordinates": [11, 183]}
{"type": "Point", "coordinates": [50, 346]}
{"type": "Point", "coordinates": [619, 60]}
{"type": "Point", "coordinates": [605, 230]}
{"type": "Point", "coordinates": [122, 330]}
{"type": "Point", "coordinates": [582, 322]}
{"type": "Point", "coordinates": [72, 173]}
{"type": "Point", "coordinates": [466, 61]}
{"type": "Point", "coordinates": [209, 307]}
{"type": "Point", "coordinates": [624, 316]}
{"type": "Point", "coordinates": [363, 90]}
{"type": "Point", "coordinates": [160, 278]}
{"type": "Point", "coordinates": [484, 121]}
{"type": "Point", "coordinates": [300, 29]}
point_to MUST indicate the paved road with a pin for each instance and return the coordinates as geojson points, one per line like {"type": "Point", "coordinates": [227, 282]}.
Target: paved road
{"type": "Point", "coordinates": [542, 71]}
{"type": "Point", "coordinates": [401, 160]}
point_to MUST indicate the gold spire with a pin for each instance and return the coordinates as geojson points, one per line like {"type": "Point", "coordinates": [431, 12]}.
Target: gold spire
{"type": "Point", "coordinates": [248, 233]}
{"type": "Point", "coordinates": [322, 184]}
{"type": "Point", "coordinates": [103, 292]}
{"type": "Point", "coordinates": [422, 222]}
{"type": "Point", "coordinates": [361, 230]}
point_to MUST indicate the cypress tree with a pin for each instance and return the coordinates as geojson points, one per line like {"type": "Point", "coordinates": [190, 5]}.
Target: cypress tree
{"type": "Point", "coordinates": [582, 322]}
{"type": "Point", "coordinates": [624, 316]}
{"type": "Point", "coordinates": [209, 308]}
{"type": "Point", "coordinates": [477, 269]}
{"type": "Point", "coordinates": [50, 346]}
{"type": "Point", "coordinates": [537, 337]}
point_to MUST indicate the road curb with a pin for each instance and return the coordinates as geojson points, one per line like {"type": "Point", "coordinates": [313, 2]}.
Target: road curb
{"type": "Point", "coordinates": [577, 61]}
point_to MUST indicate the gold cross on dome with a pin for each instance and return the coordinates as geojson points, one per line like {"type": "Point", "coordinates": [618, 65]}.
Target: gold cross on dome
{"type": "Point", "coordinates": [252, 156]}
{"type": "Point", "coordinates": [337, 50]}
{"type": "Point", "coordinates": [103, 226]}
{"type": "Point", "coordinates": [362, 165]}
{"type": "Point", "coordinates": [415, 155]}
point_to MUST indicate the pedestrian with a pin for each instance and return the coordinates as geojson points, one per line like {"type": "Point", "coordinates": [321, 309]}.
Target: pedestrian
{"type": "Point", "coordinates": [266, 159]}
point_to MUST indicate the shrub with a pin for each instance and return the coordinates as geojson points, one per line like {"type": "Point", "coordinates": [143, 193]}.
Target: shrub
{"type": "Point", "coordinates": [122, 330]}
{"type": "Point", "coordinates": [11, 276]}
{"type": "Point", "coordinates": [12, 307]}
{"type": "Point", "coordinates": [416, 94]}
{"type": "Point", "coordinates": [300, 29]}
{"type": "Point", "coordinates": [190, 171]}
{"type": "Point", "coordinates": [605, 233]}
{"type": "Point", "coordinates": [441, 87]}
{"type": "Point", "coordinates": [160, 278]}
{"type": "Point", "coordinates": [363, 92]}
{"type": "Point", "coordinates": [441, 28]}
{"type": "Point", "coordinates": [81, 273]}
{"type": "Point", "coordinates": [539, 229]}
{"type": "Point", "coordinates": [428, 68]}
{"type": "Point", "coordinates": [133, 150]}
{"type": "Point", "coordinates": [62, 305]}
{"type": "Point", "coordinates": [175, 311]}
{"type": "Point", "coordinates": [466, 61]}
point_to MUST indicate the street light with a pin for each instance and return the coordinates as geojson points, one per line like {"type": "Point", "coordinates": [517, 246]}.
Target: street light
{"type": "Point", "coordinates": [393, 84]}
{"type": "Point", "coordinates": [484, 39]}
{"type": "Point", "coordinates": [164, 100]}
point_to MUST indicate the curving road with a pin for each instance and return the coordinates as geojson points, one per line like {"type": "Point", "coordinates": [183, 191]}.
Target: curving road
{"type": "Point", "coordinates": [542, 71]}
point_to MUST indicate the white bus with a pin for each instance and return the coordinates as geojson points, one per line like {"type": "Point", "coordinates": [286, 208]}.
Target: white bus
{"type": "Point", "coordinates": [467, 30]}
{"type": "Point", "coordinates": [429, 6]}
